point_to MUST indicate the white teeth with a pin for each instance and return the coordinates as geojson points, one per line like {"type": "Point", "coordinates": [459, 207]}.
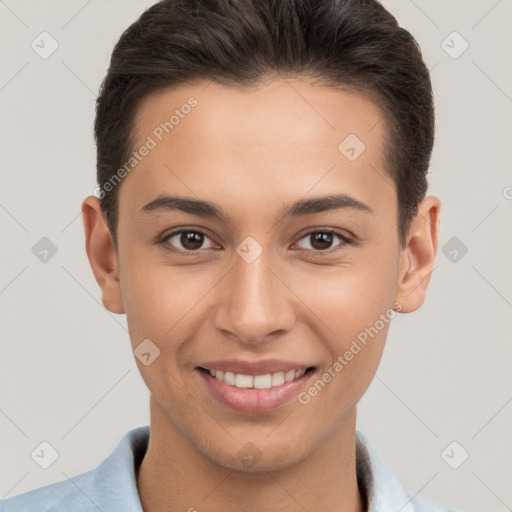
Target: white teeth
{"type": "Point", "coordinates": [243, 381]}
{"type": "Point", "coordinates": [262, 381]}
{"type": "Point", "coordinates": [289, 376]}
{"type": "Point", "coordinates": [266, 381]}
{"type": "Point", "coordinates": [277, 378]}
{"type": "Point", "coordinates": [229, 378]}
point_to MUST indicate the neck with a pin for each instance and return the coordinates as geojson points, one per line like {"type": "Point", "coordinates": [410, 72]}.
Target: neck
{"type": "Point", "coordinates": [175, 477]}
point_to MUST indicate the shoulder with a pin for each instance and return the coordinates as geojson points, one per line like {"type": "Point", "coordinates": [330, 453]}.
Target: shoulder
{"type": "Point", "coordinates": [56, 497]}
{"type": "Point", "coordinates": [421, 504]}
{"type": "Point", "coordinates": [110, 486]}
{"type": "Point", "coordinates": [385, 493]}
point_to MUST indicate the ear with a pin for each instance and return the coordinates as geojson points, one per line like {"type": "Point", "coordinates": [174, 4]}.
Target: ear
{"type": "Point", "coordinates": [417, 258]}
{"type": "Point", "coordinates": [102, 255]}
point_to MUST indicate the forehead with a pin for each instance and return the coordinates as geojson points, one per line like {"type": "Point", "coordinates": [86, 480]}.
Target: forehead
{"type": "Point", "coordinates": [286, 136]}
{"type": "Point", "coordinates": [262, 110]}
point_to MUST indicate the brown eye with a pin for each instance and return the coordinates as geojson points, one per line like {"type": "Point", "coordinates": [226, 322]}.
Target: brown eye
{"type": "Point", "coordinates": [187, 240]}
{"type": "Point", "coordinates": [191, 240]}
{"type": "Point", "coordinates": [323, 240]}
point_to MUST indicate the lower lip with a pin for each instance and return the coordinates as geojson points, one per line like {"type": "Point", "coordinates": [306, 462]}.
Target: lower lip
{"type": "Point", "coordinates": [254, 401]}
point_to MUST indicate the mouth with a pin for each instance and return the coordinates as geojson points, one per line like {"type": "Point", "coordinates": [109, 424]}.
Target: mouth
{"type": "Point", "coordinates": [258, 393]}
{"type": "Point", "coordinates": [262, 381]}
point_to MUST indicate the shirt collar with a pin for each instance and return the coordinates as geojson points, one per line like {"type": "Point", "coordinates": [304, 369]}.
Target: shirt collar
{"type": "Point", "coordinates": [385, 492]}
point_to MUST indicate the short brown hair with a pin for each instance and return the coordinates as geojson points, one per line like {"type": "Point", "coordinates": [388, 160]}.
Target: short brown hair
{"type": "Point", "coordinates": [354, 44]}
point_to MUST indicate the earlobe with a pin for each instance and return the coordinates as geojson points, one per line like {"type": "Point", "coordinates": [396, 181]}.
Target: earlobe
{"type": "Point", "coordinates": [418, 256]}
{"type": "Point", "coordinates": [102, 255]}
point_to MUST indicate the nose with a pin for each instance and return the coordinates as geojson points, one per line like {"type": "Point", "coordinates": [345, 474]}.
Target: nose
{"type": "Point", "coordinates": [255, 303]}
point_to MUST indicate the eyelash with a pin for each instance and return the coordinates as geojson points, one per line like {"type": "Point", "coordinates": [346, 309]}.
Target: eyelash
{"type": "Point", "coordinates": [317, 252]}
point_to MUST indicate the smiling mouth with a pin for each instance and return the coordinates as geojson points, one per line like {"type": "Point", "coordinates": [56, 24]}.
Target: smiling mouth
{"type": "Point", "coordinates": [264, 381]}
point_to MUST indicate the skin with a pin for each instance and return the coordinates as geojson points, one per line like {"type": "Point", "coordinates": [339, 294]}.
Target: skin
{"type": "Point", "coordinates": [252, 152]}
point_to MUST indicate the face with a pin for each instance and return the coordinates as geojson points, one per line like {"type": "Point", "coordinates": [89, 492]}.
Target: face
{"type": "Point", "coordinates": [269, 269]}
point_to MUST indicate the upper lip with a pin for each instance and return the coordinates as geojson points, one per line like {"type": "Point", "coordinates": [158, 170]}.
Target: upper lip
{"type": "Point", "coordinates": [254, 367]}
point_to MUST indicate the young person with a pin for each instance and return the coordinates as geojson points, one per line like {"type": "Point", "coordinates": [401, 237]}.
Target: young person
{"type": "Point", "coordinates": [261, 208]}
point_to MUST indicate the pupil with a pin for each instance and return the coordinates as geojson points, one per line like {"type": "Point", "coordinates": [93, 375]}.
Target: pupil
{"type": "Point", "coordinates": [322, 240]}
{"type": "Point", "coordinates": [191, 240]}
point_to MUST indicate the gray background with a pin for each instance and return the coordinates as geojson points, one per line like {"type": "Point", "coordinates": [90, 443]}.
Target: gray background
{"type": "Point", "coordinates": [67, 374]}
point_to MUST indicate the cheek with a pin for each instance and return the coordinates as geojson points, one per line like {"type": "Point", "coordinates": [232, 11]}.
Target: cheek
{"type": "Point", "coordinates": [152, 301]}
{"type": "Point", "coordinates": [350, 298]}
{"type": "Point", "coordinates": [158, 310]}
{"type": "Point", "coordinates": [163, 302]}
{"type": "Point", "coordinates": [355, 353]}
{"type": "Point", "coordinates": [353, 305]}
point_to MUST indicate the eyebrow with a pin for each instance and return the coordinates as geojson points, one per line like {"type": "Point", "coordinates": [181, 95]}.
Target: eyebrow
{"type": "Point", "coordinates": [206, 209]}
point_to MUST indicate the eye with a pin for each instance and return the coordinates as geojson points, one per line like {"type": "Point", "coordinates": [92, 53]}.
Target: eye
{"type": "Point", "coordinates": [190, 240]}
{"type": "Point", "coordinates": [322, 240]}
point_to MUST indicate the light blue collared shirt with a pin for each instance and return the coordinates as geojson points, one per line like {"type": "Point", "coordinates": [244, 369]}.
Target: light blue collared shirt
{"type": "Point", "coordinates": [112, 487]}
